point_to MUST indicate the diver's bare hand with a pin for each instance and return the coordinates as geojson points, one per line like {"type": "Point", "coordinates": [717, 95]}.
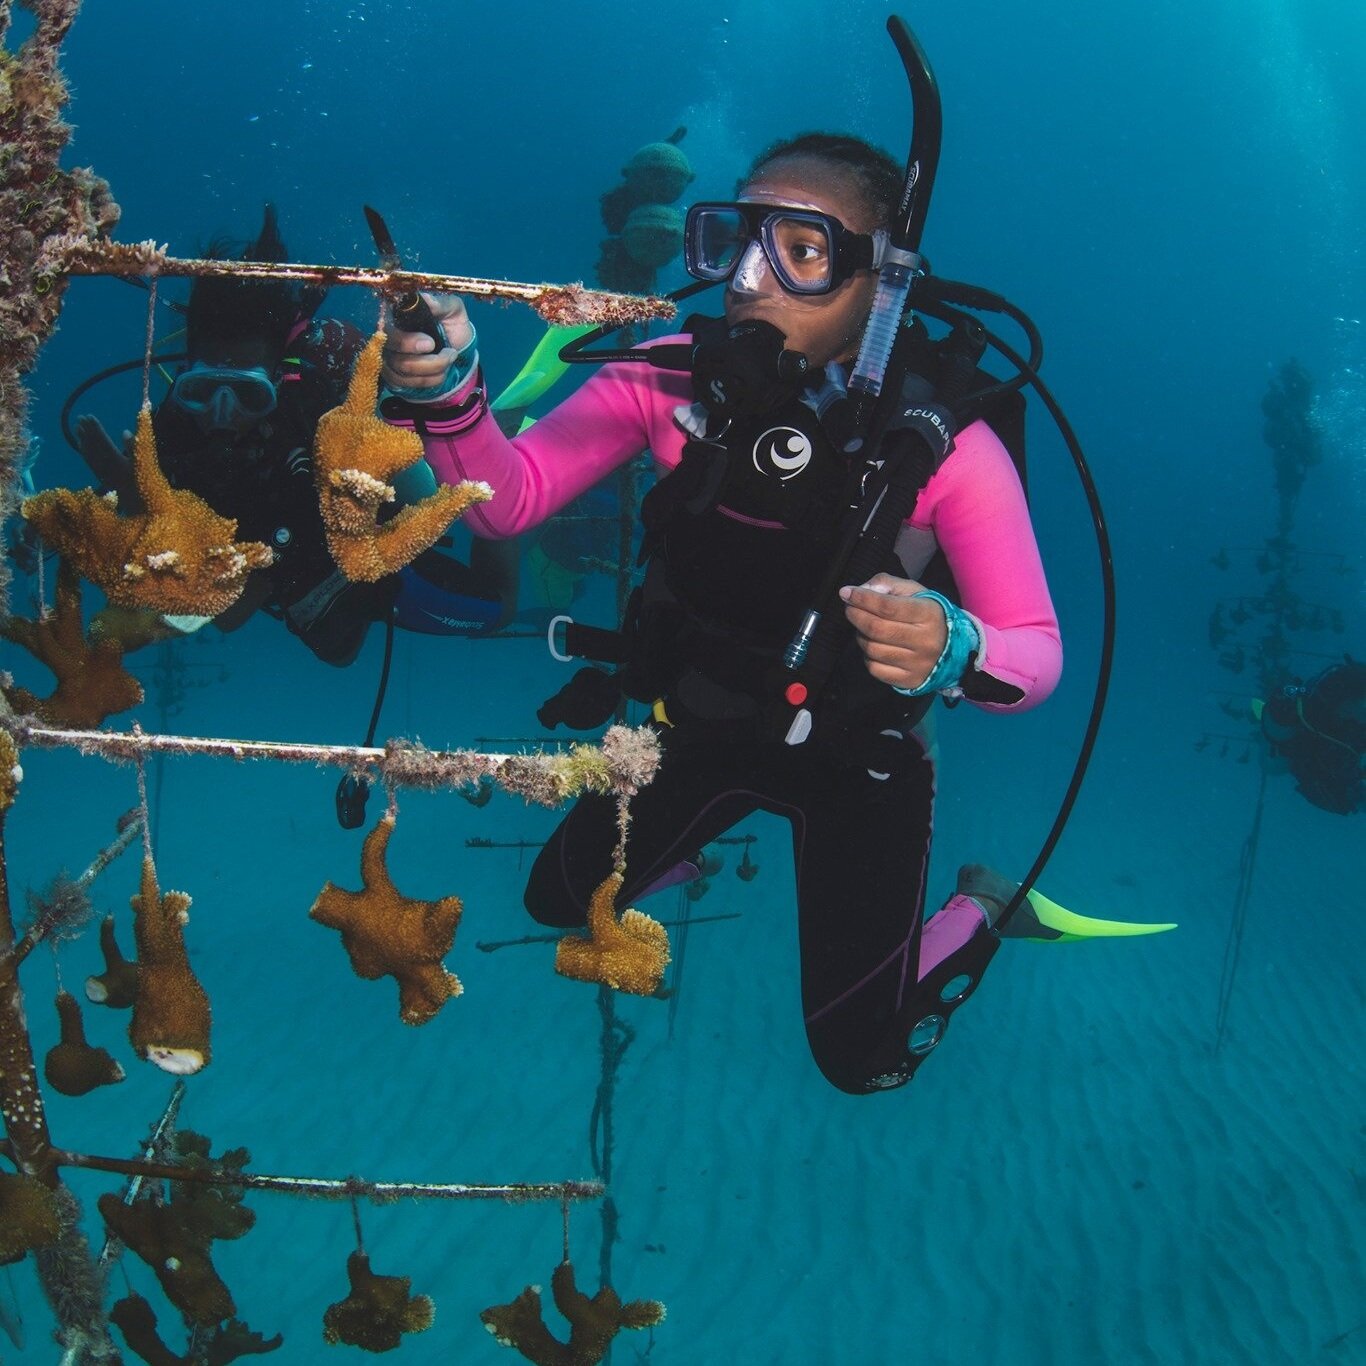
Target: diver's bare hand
{"type": "Point", "coordinates": [901, 635]}
{"type": "Point", "coordinates": [412, 363]}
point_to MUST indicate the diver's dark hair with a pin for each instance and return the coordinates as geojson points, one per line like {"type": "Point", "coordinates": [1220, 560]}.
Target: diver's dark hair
{"type": "Point", "coordinates": [222, 311]}
{"type": "Point", "coordinates": [878, 175]}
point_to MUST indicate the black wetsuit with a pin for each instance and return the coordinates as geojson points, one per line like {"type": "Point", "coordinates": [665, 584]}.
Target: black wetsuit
{"type": "Point", "coordinates": [1319, 728]}
{"type": "Point", "coordinates": [734, 556]}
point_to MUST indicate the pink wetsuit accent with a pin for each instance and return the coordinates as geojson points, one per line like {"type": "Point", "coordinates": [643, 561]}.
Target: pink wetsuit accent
{"type": "Point", "coordinates": [974, 503]}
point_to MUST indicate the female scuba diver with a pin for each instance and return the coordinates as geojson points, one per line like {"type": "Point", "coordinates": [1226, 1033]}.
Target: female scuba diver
{"type": "Point", "coordinates": [821, 460]}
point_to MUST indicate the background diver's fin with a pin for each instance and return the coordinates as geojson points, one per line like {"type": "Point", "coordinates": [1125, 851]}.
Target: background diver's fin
{"type": "Point", "coordinates": [542, 370]}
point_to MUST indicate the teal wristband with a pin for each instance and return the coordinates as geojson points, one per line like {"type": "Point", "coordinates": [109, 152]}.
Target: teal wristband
{"type": "Point", "coordinates": [962, 639]}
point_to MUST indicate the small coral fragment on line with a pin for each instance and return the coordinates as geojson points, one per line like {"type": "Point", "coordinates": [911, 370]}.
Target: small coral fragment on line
{"type": "Point", "coordinates": [377, 1312]}
{"type": "Point", "coordinates": [388, 934]}
{"type": "Point", "coordinates": [593, 1323]}
{"type": "Point", "coordinates": [171, 1016]}
{"type": "Point", "coordinates": [629, 954]}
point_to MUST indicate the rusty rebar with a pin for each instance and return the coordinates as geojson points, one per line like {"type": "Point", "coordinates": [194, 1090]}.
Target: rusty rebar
{"type": "Point", "coordinates": [564, 305]}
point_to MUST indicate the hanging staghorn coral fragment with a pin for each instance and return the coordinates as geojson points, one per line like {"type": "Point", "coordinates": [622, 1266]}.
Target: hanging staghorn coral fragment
{"type": "Point", "coordinates": [175, 1237]}
{"type": "Point", "coordinates": [170, 1024]}
{"type": "Point", "coordinates": [629, 954]}
{"type": "Point", "coordinates": [387, 934]}
{"type": "Point", "coordinates": [355, 456]}
{"type": "Point", "coordinates": [593, 1323]}
{"type": "Point", "coordinates": [179, 1256]}
{"type": "Point", "coordinates": [377, 1312]}
{"type": "Point", "coordinates": [137, 1321]}
{"type": "Point", "coordinates": [74, 1066]}
{"type": "Point", "coordinates": [92, 683]}
{"type": "Point", "coordinates": [117, 985]}
{"type": "Point", "coordinates": [178, 558]}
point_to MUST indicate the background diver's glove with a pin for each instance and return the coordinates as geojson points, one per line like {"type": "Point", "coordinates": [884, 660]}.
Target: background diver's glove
{"type": "Point", "coordinates": [131, 628]}
{"type": "Point", "coordinates": [412, 369]}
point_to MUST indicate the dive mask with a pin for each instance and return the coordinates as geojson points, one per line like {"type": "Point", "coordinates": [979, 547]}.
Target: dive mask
{"type": "Point", "coordinates": [808, 252]}
{"type": "Point", "coordinates": [224, 399]}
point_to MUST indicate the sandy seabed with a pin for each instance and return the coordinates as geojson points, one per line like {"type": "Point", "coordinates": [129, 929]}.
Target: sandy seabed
{"type": "Point", "coordinates": [1077, 1176]}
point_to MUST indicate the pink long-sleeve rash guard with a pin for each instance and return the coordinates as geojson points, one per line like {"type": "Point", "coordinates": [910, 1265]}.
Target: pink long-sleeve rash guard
{"type": "Point", "coordinates": [973, 505]}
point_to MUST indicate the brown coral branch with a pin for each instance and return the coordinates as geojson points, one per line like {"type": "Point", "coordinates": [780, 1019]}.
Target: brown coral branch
{"type": "Point", "coordinates": [378, 1311]}
{"type": "Point", "coordinates": [626, 761]}
{"type": "Point", "coordinates": [564, 305]}
{"type": "Point", "coordinates": [74, 1066]}
{"type": "Point", "coordinates": [91, 680]}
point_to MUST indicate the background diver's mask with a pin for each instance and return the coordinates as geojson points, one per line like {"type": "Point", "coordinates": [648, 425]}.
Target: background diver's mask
{"type": "Point", "coordinates": [808, 252]}
{"type": "Point", "coordinates": [224, 399]}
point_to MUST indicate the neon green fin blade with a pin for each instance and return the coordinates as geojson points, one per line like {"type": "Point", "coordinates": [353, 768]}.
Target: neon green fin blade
{"type": "Point", "coordinates": [541, 371]}
{"type": "Point", "coordinates": [1257, 706]}
{"type": "Point", "coordinates": [1071, 926]}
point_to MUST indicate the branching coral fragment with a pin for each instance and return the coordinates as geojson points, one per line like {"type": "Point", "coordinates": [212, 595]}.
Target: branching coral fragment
{"type": "Point", "coordinates": [593, 1322]}
{"type": "Point", "coordinates": [629, 954]}
{"type": "Point", "coordinates": [171, 1016]}
{"type": "Point", "coordinates": [377, 1312]}
{"type": "Point", "coordinates": [174, 1238]}
{"type": "Point", "coordinates": [179, 1258]}
{"type": "Point", "coordinates": [179, 557]}
{"type": "Point", "coordinates": [117, 985]}
{"type": "Point", "coordinates": [355, 456]}
{"type": "Point", "coordinates": [137, 1321]}
{"type": "Point", "coordinates": [91, 680]}
{"type": "Point", "coordinates": [73, 1066]}
{"type": "Point", "coordinates": [387, 934]}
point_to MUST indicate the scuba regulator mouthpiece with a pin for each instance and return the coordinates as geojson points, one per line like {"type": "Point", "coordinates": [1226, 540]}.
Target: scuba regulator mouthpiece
{"type": "Point", "coordinates": [748, 369]}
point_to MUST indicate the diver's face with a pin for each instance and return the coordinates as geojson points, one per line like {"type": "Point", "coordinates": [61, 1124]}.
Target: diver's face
{"type": "Point", "coordinates": [824, 327]}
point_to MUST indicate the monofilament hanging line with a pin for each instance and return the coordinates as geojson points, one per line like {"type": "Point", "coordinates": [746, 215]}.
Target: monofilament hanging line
{"type": "Point", "coordinates": [144, 812]}
{"type": "Point", "coordinates": [150, 342]}
{"type": "Point", "coordinates": [1233, 945]}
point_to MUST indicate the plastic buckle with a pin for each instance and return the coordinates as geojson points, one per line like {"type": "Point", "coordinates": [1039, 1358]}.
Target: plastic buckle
{"type": "Point", "coordinates": [555, 651]}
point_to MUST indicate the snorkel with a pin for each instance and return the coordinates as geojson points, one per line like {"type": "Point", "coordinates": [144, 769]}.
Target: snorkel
{"type": "Point", "coordinates": [903, 263]}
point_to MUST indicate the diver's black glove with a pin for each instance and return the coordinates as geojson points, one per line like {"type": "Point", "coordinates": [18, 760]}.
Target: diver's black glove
{"type": "Point", "coordinates": [584, 703]}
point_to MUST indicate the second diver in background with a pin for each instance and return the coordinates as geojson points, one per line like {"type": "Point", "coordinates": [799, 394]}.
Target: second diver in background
{"type": "Point", "coordinates": [237, 429]}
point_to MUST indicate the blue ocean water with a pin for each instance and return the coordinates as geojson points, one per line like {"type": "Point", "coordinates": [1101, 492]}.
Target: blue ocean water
{"type": "Point", "coordinates": [1174, 193]}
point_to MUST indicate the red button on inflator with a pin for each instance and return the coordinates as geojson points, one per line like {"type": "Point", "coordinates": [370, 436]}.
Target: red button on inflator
{"type": "Point", "coordinates": [795, 693]}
